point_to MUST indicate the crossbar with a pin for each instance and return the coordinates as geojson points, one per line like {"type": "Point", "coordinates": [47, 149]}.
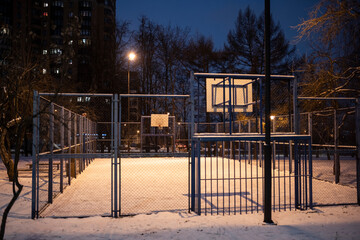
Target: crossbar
{"type": "Point", "coordinates": [77, 94]}
{"type": "Point", "coordinates": [155, 95]}
{"type": "Point", "coordinates": [242, 76]}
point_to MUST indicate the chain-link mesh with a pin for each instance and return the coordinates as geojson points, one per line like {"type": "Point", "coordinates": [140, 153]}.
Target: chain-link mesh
{"type": "Point", "coordinates": [151, 181]}
{"type": "Point", "coordinates": [154, 184]}
{"type": "Point", "coordinates": [139, 136]}
{"type": "Point", "coordinates": [334, 154]}
{"type": "Point", "coordinates": [70, 184]}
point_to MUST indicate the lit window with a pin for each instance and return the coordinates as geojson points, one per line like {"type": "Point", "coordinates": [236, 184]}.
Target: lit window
{"type": "Point", "coordinates": [85, 41]}
{"type": "Point", "coordinates": [5, 31]}
{"type": "Point", "coordinates": [56, 71]}
{"type": "Point", "coordinates": [71, 42]}
{"type": "Point", "coordinates": [79, 99]}
{"type": "Point", "coordinates": [46, 4]}
{"type": "Point", "coordinates": [45, 14]}
{"type": "Point", "coordinates": [87, 99]}
{"type": "Point", "coordinates": [44, 71]}
{"type": "Point", "coordinates": [70, 61]}
{"type": "Point", "coordinates": [44, 52]}
{"type": "Point", "coordinates": [56, 51]}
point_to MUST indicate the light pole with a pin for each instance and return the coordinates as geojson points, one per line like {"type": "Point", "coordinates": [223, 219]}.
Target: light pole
{"type": "Point", "coordinates": [131, 57]}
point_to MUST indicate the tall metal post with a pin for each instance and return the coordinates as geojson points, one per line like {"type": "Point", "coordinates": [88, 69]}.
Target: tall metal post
{"type": "Point", "coordinates": [115, 166]}
{"type": "Point", "coordinates": [267, 147]}
{"type": "Point", "coordinates": [128, 99]}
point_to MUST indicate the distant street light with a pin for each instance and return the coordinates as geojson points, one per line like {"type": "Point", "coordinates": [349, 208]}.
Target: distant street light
{"type": "Point", "coordinates": [131, 57]}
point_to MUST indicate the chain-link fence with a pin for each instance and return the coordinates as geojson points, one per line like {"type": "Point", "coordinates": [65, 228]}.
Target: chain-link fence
{"type": "Point", "coordinates": [82, 162]}
{"type": "Point", "coordinates": [140, 134]}
{"type": "Point", "coordinates": [67, 141]}
{"type": "Point", "coordinates": [333, 135]}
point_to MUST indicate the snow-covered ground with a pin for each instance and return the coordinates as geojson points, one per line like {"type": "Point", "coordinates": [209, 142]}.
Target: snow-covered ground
{"type": "Point", "coordinates": [340, 222]}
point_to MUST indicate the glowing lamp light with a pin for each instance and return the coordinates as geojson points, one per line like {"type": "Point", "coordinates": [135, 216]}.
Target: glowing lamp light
{"type": "Point", "coordinates": [272, 117]}
{"type": "Point", "coordinates": [132, 56]}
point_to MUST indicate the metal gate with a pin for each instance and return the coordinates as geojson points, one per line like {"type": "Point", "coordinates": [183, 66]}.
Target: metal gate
{"type": "Point", "coordinates": [76, 141]}
{"type": "Point", "coordinates": [69, 138]}
{"type": "Point", "coordinates": [229, 173]}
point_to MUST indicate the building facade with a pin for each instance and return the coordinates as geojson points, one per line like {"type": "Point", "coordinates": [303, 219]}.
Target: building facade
{"type": "Point", "coordinates": [74, 39]}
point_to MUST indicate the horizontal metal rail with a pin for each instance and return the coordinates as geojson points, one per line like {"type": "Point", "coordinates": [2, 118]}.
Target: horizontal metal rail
{"type": "Point", "coordinates": [327, 98]}
{"type": "Point", "coordinates": [77, 155]}
{"type": "Point", "coordinates": [155, 95]}
{"type": "Point", "coordinates": [204, 137]}
{"type": "Point", "coordinates": [77, 94]}
{"type": "Point", "coordinates": [242, 76]}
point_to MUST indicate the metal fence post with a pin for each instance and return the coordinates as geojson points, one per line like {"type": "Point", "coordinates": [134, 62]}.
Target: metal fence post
{"type": "Point", "coordinates": [115, 166]}
{"type": "Point", "coordinates": [75, 142]}
{"type": "Point", "coordinates": [70, 146]}
{"type": "Point", "coordinates": [192, 129]}
{"type": "Point", "coordinates": [336, 152]}
{"type": "Point", "coordinates": [51, 146]}
{"type": "Point", "coordinates": [117, 147]}
{"type": "Point", "coordinates": [81, 142]}
{"type": "Point", "coordinates": [62, 142]}
{"type": "Point", "coordinates": [357, 119]}
{"type": "Point", "coordinates": [35, 150]}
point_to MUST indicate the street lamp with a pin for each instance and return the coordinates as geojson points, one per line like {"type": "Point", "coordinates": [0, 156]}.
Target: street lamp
{"type": "Point", "coordinates": [131, 57]}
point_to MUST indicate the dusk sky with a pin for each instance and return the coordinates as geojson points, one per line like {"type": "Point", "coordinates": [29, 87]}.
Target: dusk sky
{"type": "Point", "coordinates": [213, 18]}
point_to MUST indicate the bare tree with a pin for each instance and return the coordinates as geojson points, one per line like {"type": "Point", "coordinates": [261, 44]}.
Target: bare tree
{"type": "Point", "coordinates": [245, 45]}
{"type": "Point", "coordinates": [333, 67]}
{"type": "Point", "coordinates": [21, 72]}
{"type": "Point", "coordinates": [171, 42]}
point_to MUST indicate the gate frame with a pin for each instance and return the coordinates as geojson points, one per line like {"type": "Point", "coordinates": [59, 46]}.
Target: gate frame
{"type": "Point", "coordinates": [36, 156]}
{"type": "Point", "coordinates": [118, 123]}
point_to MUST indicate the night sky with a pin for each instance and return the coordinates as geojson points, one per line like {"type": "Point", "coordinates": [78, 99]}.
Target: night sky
{"type": "Point", "coordinates": [213, 17]}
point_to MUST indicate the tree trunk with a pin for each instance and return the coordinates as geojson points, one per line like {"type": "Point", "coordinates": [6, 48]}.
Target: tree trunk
{"type": "Point", "coordinates": [5, 154]}
{"type": "Point", "coordinates": [16, 184]}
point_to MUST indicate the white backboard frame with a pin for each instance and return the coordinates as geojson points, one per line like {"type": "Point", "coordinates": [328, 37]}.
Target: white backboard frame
{"type": "Point", "coordinates": [159, 120]}
{"type": "Point", "coordinates": [241, 95]}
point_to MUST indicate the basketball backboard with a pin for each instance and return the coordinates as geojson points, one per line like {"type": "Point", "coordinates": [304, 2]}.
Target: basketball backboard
{"type": "Point", "coordinates": [159, 120]}
{"type": "Point", "coordinates": [241, 95]}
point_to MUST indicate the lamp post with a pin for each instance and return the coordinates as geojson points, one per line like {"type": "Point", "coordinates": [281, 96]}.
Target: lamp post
{"type": "Point", "coordinates": [131, 57]}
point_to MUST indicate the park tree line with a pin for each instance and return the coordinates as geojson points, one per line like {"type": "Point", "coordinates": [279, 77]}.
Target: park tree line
{"type": "Point", "coordinates": [167, 54]}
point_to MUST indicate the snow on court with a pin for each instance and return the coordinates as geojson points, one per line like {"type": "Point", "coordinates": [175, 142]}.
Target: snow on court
{"type": "Point", "coordinates": [88, 195]}
{"type": "Point", "coordinates": [340, 222]}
